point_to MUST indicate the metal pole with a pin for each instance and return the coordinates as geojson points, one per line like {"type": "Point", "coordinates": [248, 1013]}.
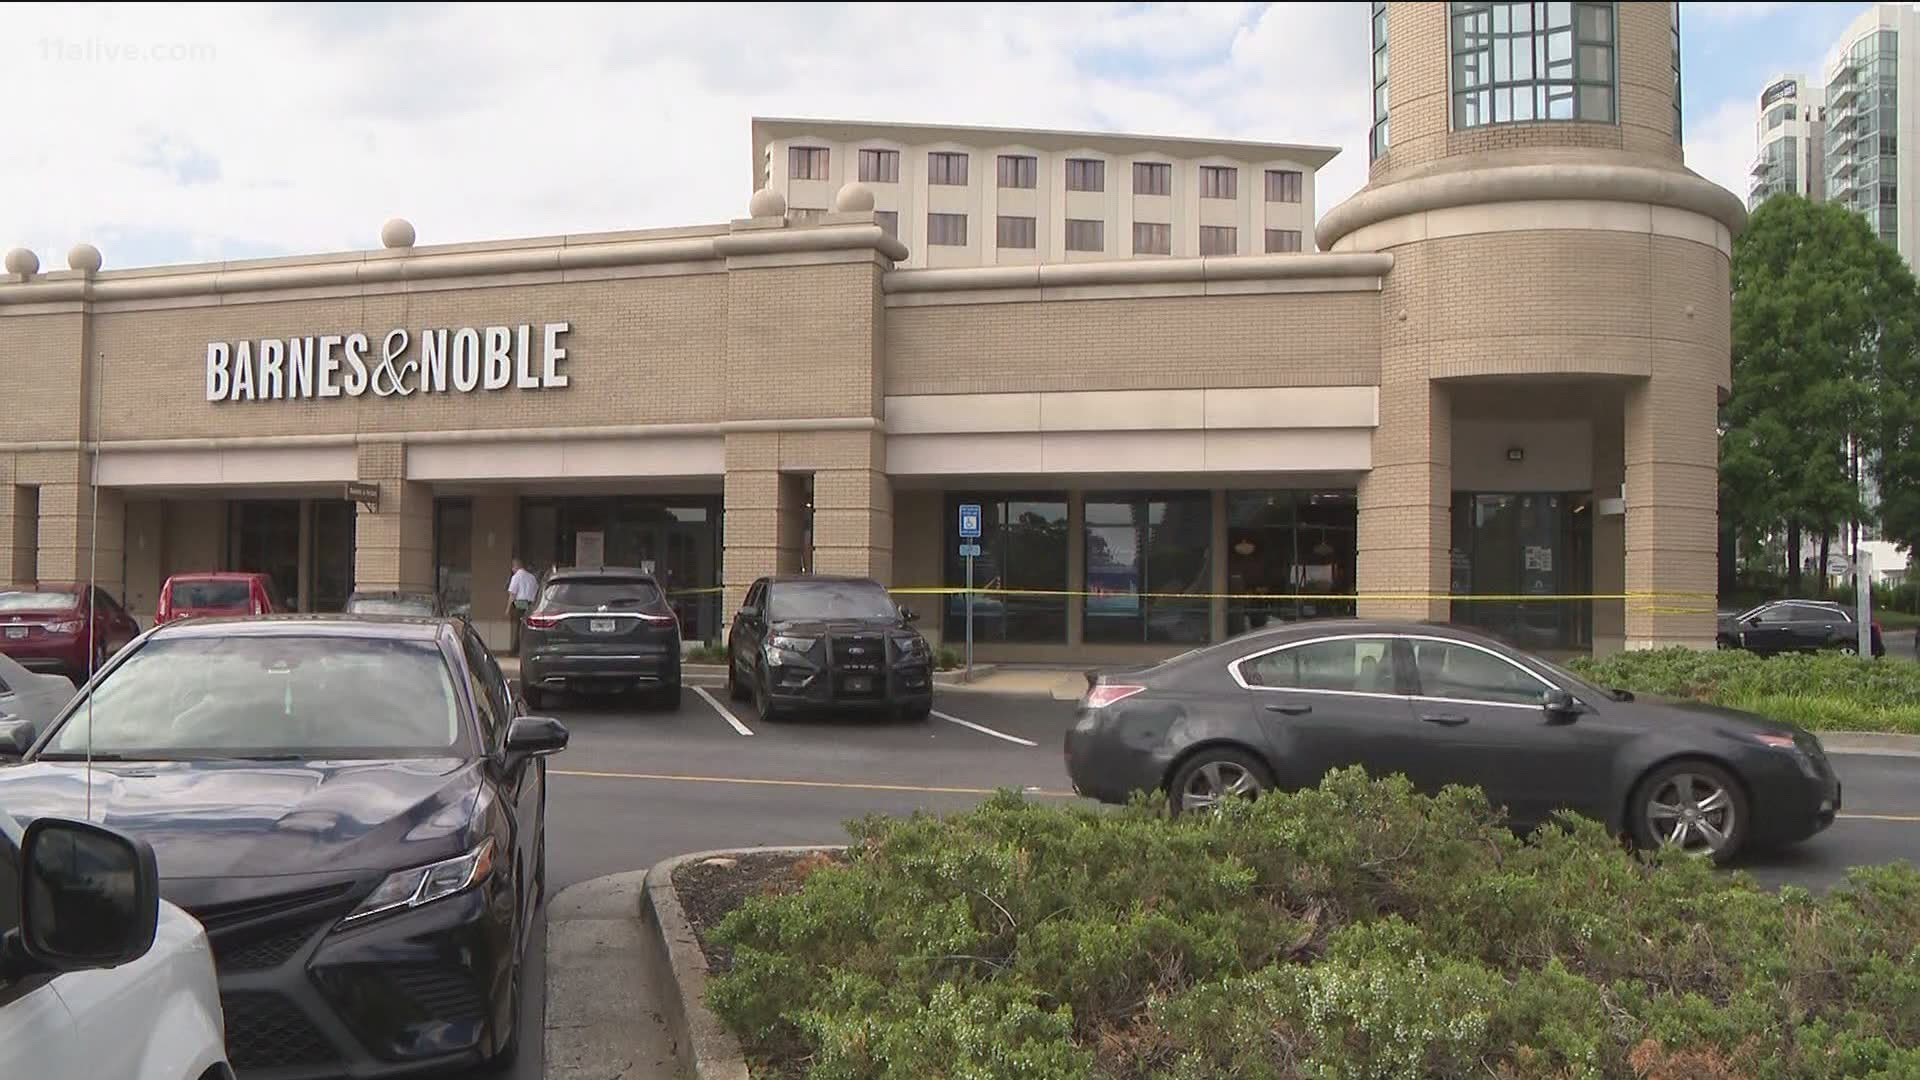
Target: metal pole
{"type": "Point", "coordinates": [1863, 600]}
{"type": "Point", "coordinates": [969, 677]}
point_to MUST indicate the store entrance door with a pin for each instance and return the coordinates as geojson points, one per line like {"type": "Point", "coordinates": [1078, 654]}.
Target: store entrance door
{"type": "Point", "coordinates": [1515, 547]}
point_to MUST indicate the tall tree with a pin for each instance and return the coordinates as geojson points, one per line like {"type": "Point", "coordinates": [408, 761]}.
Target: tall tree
{"type": "Point", "coordinates": [1824, 321]}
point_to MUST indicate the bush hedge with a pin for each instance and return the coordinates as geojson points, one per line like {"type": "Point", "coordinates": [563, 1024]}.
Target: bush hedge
{"type": "Point", "coordinates": [1822, 691]}
{"type": "Point", "coordinates": [1358, 930]}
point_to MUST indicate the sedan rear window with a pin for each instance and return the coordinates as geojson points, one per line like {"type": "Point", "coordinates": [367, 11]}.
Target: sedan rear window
{"type": "Point", "coordinates": [288, 695]}
{"type": "Point", "coordinates": [829, 600]}
{"type": "Point", "coordinates": [211, 594]}
{"type": "Point", "coordinates": [600, 594]}
{"type": "Point", "coordinates": [37, 601]}
{"type": "Point", "coordinates": [390, 605]}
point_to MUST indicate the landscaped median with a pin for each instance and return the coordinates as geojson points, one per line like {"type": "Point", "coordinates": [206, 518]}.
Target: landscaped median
{"type": "Point", "coordinates": [1354, 930]}
{"type": "Point", "coordinates": [1821, 692]}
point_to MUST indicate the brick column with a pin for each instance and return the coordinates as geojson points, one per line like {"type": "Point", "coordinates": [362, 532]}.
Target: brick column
{"type": "Point", "coordinates": [19, 529]}
{"type": "Point", "coordinates": [762, 515]}
{"type": "Point", "coordinates": [1673, 513]}
{"type": "Point", "coordinates": [67, 546]}
{"type": "Point", "coordinates": [496, 537]}
{"type": "Point", "coordinates": [1405, 501]}
{"type": "Point", "coordinates": [393, 542]}
{"type": "Point", "coordinates": [1609, 532]}
{"type": "Point", "coordinates": [853, 523]}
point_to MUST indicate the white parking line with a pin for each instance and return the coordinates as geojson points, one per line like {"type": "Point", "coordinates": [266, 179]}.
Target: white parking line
{"type": "Point", "coordinates": [725, 713]}
{"type": "Point", "coordinates": [985, 730]}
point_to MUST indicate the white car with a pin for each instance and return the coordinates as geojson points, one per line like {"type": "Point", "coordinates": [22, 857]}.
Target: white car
{"type": "Point", "coordinates": [99, 977]}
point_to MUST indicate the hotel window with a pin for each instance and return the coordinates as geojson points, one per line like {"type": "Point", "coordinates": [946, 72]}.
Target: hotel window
{"type": "Point", "coordinates": [1023, 547]}
{"type": "Point", "coordinates": [1283, 185]}
{"type": "Point", "coordinates": [1377, 140]}
{"type": "Point", "coordinates": [1673, 24]}
{"type": "Point", "coordinates": [889, 222]}
{"type": "Point", "coordinates": [1516, 62]}
{"type": "Point", "coordinates": [1019, 171]}
{"type": "Point", "coordinates": [1152, 238]}
{"type": "Point", "coordinates": [880, 166]}
{"type": "Point", "coordinates": [1219, 182]}
{"type": "Point", "coordinates": [1017, 232]}
{"type": "Point", "coordinates": [947, 230]}
{"type": "Point", "coordinates": [1084, 234]}
{"type": "Point", "coordinates": [1152, 178]}
{"type": "Point", "coordinates": [946, 168]}
{"type": "Point", "coordinates": [1086, 174]}
{"type": "Point", "coordinates": [1139, 549]}
{"type": "Point", "coordinates": [806, 163]}
{"type": "Point", "coordinates": [1219, 240]}
{"type": "Point", "coordinates": [1283, 240]}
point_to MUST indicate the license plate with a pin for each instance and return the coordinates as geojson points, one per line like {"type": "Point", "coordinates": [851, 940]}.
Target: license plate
{"type": "Point", "coordinates": [16, 631]}
{"type": "Point", "coordinates": [602, 626]}
{"type": "Point", "coordinates": [859, 685]}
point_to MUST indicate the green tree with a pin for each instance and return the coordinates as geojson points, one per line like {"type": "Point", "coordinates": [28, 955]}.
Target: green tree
{"type": "Point", "coordinates": [1824, 317]}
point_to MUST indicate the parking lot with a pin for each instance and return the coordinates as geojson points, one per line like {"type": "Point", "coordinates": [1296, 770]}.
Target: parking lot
{"type": "Point", "coordinates": [637, 786]}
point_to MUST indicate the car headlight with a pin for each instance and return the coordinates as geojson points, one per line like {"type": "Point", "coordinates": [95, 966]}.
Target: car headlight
{"type": "Point", "coordinates": [791, 644]}
{"type": "Point", "coordinates": [425, 884]}
{"type": "Point", "coordinates": [911, 649]}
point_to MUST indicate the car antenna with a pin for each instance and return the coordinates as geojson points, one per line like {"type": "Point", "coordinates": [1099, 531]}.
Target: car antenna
{"type": "Point", "coordinates": [93, 571]}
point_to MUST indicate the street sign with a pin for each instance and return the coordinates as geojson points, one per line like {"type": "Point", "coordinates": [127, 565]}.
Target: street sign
{"type": "Point", "coordinates": [970, 521]}
{"type": "Point", "coordinates": [367, 495]}
{"type": "Point", "coordinates": [969, 551]}
{"type": "Point", "coordinates": [1836, 564]}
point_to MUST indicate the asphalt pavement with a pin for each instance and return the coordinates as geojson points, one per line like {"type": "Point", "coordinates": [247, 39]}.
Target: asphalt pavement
{"type": "Point", "coordinates": [637, 786]}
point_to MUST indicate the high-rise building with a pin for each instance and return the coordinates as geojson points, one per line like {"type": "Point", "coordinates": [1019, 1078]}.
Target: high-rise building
{"type": "Point", "coordinates": [1873, 74]}
{"type": "Point", "coordinates": [1790, 132]}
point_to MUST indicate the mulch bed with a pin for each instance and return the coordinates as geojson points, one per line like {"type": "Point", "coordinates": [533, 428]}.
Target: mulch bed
{"type": "Point", "coordinates": [712, 888]}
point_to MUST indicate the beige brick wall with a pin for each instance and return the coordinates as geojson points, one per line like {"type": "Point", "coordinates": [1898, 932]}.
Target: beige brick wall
{"type": "Point", "coordinates": [1419, 51]}
{"type": "Point", "coordinates": [1294, 339]}
{"type": "Point", "coordinates": [801, 341]}
{"type": "Point", "coordinates": [919, 555]}
{"type": "Point", "coordinates": [41, 376]}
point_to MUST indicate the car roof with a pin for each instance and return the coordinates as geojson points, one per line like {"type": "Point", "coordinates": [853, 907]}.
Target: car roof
{"type": "Point", "coordinates": [217, 575]}
{"type": "Point", "coordinates": [367, 594]}
{"type": "Point", "coordinates": [590, 573]}
{"type": "Point", "coordinates": [845, 579]}
{"type": "Point", "coordinates": [384, 627]}
{"type": "Point", "coordinates": [1343, 627]}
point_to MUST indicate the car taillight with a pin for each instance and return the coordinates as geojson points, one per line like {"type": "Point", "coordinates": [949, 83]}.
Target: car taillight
{"type": "Point", "coordinates": [1101, 695]}
{"type": "Point", "coordinates": [66, 626]}
{"type": "Point", "coordinates": [659, 620]}
{"type": "Point", "coordinates": [542, 622]}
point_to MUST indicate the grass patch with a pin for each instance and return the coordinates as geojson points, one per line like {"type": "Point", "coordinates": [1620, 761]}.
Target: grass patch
{"type": "Point", "coordinates": [1822, 692]}
{"type": "Point", "coordinates": [1357, 930]}
{"type": "Point", "coordinates": [1896, 620]}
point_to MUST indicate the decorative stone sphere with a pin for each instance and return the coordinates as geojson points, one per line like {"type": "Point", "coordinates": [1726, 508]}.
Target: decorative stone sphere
{"type": "Point", "coordinates": [22, 262]}
{"type": "Point", "coordinates": [767, 203]}
{"type": "Point", "coordinates": [855, 198]}
{"type": "Point", "coordinates": [84, 258]}
{"type": "Point", "coordinates": [397, 233]}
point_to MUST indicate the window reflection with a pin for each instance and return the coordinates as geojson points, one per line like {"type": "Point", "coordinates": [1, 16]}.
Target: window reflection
{"type": "Point", "coordinates": [1140, 548]}
{"type": "Point", "coordinates": [1023, 545]}
{"type": "Point", "coordinates": [1289, 544]}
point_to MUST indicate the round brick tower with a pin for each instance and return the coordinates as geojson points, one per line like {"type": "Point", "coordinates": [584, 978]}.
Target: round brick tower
{"type": "Point", "coordinates": [1553, 258]}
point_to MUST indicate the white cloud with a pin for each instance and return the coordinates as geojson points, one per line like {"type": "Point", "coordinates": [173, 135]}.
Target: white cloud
{"type": "Point", "coordinates": [1724, 12]}
{"type": "Point", "coordinates": [199, 132]}
{"type": "Point", "coordinates": [1721, 147]}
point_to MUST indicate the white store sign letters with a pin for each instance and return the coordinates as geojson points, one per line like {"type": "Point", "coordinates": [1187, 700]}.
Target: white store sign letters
{"type": "Point", "coordinates": [339, 365]}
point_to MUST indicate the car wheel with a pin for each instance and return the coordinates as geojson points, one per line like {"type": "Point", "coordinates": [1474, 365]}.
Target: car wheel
{"type": "Point", "coordinates": [736, 690]}
{"type": "Point", "coordinates": [1211, 777]}
{"type": "Point", "coordinates": [1851, 648]}
{"type": "Point", "coordinates": [1693, 806]}
{"type": "Point", "coordinates": [763, 707]}
{"type": "Point", "coordinates": [535, 698]}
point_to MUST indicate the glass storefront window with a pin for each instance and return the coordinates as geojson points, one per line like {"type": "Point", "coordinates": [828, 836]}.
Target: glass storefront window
{"type": "Point", "coordinates": [676, 538]}
{"type": "Point", "coordinates": [1524, 545]}
{"type": "Point", "coordinates": [1023, 545]}
{"type": "Point", "coordinates": [1289, 544]}
{"type": "Point", "coordinates": [334, 525]}
{"type": "Point", "coordinates": [453, 554]}
{"type": "Point", "coordinates": [263, 537]}
{"type": "Point", "coordinates": [1141, 545]}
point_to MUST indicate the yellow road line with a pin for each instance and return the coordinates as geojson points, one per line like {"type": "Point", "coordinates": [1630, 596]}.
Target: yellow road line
{"type": "Point", "coordinates": [844, 785]}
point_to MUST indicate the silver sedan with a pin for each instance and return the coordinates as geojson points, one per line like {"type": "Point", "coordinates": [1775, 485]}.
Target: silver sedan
{"type": "Point", "coordinates": [30, 697]}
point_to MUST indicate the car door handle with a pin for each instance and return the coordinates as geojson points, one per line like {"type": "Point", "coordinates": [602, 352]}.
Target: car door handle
{"type": "Point", "coordinates": [1448, 719]}
{"type": "Point", "coordinates": [1291, 709]}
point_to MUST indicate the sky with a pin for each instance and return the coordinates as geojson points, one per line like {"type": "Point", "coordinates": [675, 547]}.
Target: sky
{"type": "Point", "coordinates": [181, 133]}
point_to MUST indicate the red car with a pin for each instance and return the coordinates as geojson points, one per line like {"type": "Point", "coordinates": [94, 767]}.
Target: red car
{"type": "Point", "coordinates": [45, 628]}
{"type": "Point", "coordinates": [220, 593]}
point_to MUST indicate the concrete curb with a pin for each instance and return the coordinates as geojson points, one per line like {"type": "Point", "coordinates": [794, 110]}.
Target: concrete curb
{"type": "Point", "coordinates": [707, 1051]}
{"type": "Point", "coordinates": [1869, 743]}
{"type": "Point", "coordinates": [599, 984]}
{"type": "Point", "coordinates": [959, 676]}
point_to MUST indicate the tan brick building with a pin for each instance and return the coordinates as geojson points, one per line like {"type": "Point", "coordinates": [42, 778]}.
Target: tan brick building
{"type": "Point", "coordinates": [1498, 377]}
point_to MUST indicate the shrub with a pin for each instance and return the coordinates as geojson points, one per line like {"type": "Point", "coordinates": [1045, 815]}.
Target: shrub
{"type": "Point", "coordinates": [947, 658]}
{"type": "Point", "coordinates": [1357, 930]}
{"type": "Point", "coordinates": [1829, 691]}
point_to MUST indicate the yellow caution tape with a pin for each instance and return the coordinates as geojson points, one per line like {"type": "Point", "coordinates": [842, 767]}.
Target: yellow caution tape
{"type": "Point", "coordinates": [932, 590]}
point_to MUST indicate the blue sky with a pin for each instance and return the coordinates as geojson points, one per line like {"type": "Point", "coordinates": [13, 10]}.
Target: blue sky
{"type": "Point", "coordinates": [198, 132]}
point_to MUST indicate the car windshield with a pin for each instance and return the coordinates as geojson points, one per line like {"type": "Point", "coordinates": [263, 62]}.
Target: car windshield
{"type": "Point", "coordinates": [829, 600]}
{"type": "Point", "coordinates": [280, 696]}
{"type": "Point", "coordinates": [25, 600]}
{"type": "Point", "coordinates": [211, 593]}
{"type": "Point", "coordinates": [390, 605]}
{"type": "Point", "coordinates": [600, 594]}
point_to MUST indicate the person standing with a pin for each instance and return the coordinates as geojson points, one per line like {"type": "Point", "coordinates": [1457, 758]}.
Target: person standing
{"type": "Point", "coordinates": [521, 590]}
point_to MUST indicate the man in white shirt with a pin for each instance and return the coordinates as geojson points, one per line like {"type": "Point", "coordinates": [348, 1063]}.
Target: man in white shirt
{"type": "Point", "coordinates": [521, 591]}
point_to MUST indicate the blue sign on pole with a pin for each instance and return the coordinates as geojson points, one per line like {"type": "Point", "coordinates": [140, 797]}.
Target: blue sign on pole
{"type": "Point", "coordinates": [970, 521]}
{"type": "Point", "coordinates": [969, 551]}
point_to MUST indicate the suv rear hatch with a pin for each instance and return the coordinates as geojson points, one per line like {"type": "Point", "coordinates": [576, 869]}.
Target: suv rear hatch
{"type": "Point", "coordinates": [208, 596]}
{"type": "Point", "coordinates": [605, 615]}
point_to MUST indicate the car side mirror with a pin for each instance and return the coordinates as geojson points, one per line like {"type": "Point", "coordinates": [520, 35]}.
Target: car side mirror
{"type": "Point", "coordinates": [535, 736]}
{"type": "Point", "coordinates": [909, 614]}
{"type": "Point", "coordinates": [89, 896]}
{"type": "Point", "coordinates": [16, 738]}
{"type": "Point", "coordinates": [1560, 703]}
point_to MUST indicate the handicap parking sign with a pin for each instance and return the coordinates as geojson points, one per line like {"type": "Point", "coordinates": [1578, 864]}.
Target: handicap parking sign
{"type": "Point", "coordinates": [970, 521]}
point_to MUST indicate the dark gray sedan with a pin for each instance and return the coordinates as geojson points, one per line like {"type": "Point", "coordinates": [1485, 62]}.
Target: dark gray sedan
{"type": "Point", "coordinates": [1280, 708]}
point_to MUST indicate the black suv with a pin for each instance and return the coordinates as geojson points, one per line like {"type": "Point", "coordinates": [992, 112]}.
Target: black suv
{"type": "Point", "coordinates": [1795, 626]}
{"type": "Point", "coordinates": [803, 642]}
{"type": "Point", "coordinates": [606, 630]}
